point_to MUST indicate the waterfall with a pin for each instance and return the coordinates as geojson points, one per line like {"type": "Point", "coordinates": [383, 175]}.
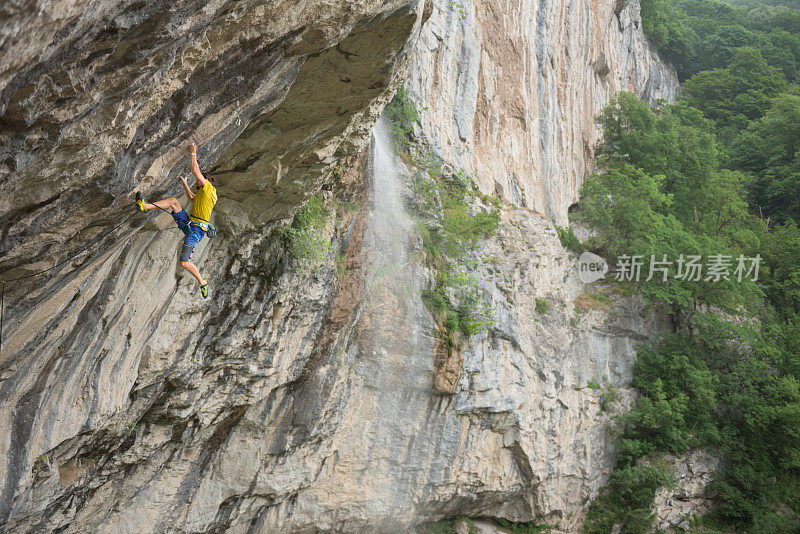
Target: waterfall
{"type": "Point", "coordinates": [393, 279]}
{"type": "Point", "coordinates": [389, 223]}
{"type": "Point", "coordinates": [394, 345]}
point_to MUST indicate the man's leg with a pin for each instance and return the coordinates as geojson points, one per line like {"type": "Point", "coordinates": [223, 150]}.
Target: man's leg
{"type": "Point", "coordinates": [189, 266]}
{"type": "Point", "coordinates": [167, 203]}
{"type": "Point", "coordinates": [193, 237]}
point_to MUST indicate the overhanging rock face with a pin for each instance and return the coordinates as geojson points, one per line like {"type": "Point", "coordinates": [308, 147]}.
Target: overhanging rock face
{"type": "Point", "coordinates": [98, 100]}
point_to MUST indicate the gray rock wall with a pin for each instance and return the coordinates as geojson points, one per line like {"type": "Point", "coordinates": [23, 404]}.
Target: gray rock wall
{"type": "Point", "coordinates": [676, 509]}
{"type": "Point", "coordinates": [99, 100]}
{"type": "Point", "coordinates": [509, 90]}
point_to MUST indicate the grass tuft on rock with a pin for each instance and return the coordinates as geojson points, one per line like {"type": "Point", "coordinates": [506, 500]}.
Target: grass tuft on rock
{"type": "Point", "coordinates": [400, 115]}
{"type": "Point", "coordinates": [307, 239]}
{"type": "Point", "coordinates": [452, 218]}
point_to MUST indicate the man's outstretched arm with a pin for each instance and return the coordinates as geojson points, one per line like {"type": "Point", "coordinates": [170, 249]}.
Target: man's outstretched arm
{"type": "Point", "coordinates": [195, 167]}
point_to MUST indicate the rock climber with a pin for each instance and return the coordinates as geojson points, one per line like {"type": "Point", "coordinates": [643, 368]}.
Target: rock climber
{"type": "Point", "coordinates": [194, 225]}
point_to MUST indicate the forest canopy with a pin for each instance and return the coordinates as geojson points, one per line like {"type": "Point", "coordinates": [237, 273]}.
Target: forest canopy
{"type": "Point", "coordinates": [740, 67]}
{"type": "Point", "coordinates": [698, 35]}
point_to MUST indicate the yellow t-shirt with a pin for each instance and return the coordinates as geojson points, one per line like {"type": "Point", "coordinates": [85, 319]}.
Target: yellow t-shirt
{"type": "Point", "coordinates": [204, 201]}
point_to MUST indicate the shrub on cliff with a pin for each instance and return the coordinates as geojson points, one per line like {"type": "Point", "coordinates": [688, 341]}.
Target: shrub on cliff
{"type": "Point", "coordinates": [569, 240]}
{"type": "Point", "coordinates": [307, 239]}
{"type": "Point", "coordinates": [400, 115]}
{"type": "Point", "coordinates": [452, 221]}
{"type": "Point", "coordinates": [627, 499]}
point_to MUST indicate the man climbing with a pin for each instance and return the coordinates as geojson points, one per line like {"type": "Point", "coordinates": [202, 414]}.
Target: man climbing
{"type": "Point", "coordinates": [196, 224]}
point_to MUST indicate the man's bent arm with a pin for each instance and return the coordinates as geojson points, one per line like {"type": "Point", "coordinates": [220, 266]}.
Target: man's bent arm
{"type": "Point", "coordinates": [186, 188]}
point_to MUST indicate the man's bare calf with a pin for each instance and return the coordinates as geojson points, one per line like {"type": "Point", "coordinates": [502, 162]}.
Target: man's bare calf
{"type": "Point", "coordinates": [189, 266]}
{"type": "Point", "coordinates": [194, 226]}
{"type": "Point", "coordinates": [175, 205]}
{"type": "Point", "coordinates": [167, 203]}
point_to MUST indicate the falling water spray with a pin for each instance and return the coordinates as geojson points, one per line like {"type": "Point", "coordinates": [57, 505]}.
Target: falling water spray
{"type": "Point", "coordinates": [395, 345]}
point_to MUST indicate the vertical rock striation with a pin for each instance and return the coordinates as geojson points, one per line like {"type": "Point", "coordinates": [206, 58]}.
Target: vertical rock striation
{"type": "Point", "coordinates": [510, 89]}
{"type": "Point", "coordinates": [98, 100]}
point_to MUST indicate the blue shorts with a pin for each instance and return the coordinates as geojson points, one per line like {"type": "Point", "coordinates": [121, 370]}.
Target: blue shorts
{"type": "Point", "coordinates": [193, 234]}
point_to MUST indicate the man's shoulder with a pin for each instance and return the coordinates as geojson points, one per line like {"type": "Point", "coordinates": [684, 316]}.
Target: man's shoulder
{"type": "Point", "coordinates": [208, 189]}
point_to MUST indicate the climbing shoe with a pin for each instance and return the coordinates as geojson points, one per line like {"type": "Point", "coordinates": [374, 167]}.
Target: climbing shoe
{"type": "Point", "coordinates": [140, 202]}
{"type": "Point", "coordinates": [204, 290]}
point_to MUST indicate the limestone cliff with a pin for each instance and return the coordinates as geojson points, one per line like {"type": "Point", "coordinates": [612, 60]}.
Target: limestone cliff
{"type": "Point", "coordinates": [292, 400]}
{"type": "Point", "coordinates": [511, 89]}
{"type": "Point", "coordinates": [98, 100]}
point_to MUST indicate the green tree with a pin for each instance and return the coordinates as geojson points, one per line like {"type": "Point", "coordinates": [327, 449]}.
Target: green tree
{"type": "Point", "coordinates": [668, 29]}
{"type": "Point", "coordinates": [693, 208]}
{"type": "Point", "coordinates": [736, 95]}
{"type": "Point", "coordinates": [761, 412]}
{"type": "Point", "coordinates": [782, 258]}
{"type": "Point", "coordinates": [721, 47]}
{"type": "Point", "coordinates": [697, 35]}
{"type": "Point", "coordinates": [677, 143]}
{"type": "Point", "coordinates": [782, 50]}
{"type": "Point", "coordinates": [674, 375]}
{"type": "Point", "coordinates": [770, 150]}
